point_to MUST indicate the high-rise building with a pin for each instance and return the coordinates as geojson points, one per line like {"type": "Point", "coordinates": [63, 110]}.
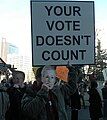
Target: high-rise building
{"type": "Point", "coordinates": [22, 63]}
{"type": "Point", "coordinates": [7, 48]}
{"type": "Point", "coordinates": [3, 49]}
{"type": "Point", "coordinates": [12, 49]}
{"type": "Point", "coordinates": [10, 54]}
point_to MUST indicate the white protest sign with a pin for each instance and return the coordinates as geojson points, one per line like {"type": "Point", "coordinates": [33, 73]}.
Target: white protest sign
{"type": "Point", "coordinates": [62, 31]}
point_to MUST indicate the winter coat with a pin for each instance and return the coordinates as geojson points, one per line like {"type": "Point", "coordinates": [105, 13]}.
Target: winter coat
{"type": "Point", "coordinates": [4, 102]}
{"type": "Point", "coordinates": [95, 107]}
{"type": "Point", "coordinates": [34, 105]}
{"type": "Point", "coordinates": [75, 101]}
{"type": "Point", "coordinates": [104, 94]}
{"type": "Point", "coordinates": [15, 96]}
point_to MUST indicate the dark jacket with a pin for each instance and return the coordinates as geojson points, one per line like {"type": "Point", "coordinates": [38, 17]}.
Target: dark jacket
{"type": "Point", "coordinates": [15, 96]}
{"type": "Point", "coordinates": [4, 102]}
{"type": "Point", "coordinates": [95, 103]}
{"type": "Point", "coordinates": [75, 101]}
{"type": "Point", "coordinates": [34, 105]}
{"type": "Point", "coordinates": [104, 95]}
{"type": "Point", "coordinates": [104, 92]}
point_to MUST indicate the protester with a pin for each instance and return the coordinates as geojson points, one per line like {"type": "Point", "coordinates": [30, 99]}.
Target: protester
{"type": "Point", "coordinates": [95, 101]}
{"type": "Point", "coordinates": [82, 93]}
{"type": "Point", "coordinates": [75, 104]}
{"type": "Point", "coordinates": [16, 91]}
{"type": "Point", "coordinates": [4, 101]}
{"type": "Point", "coordinates": [104, 94]}
{"type": "Point", "coordinates": [48, 103]}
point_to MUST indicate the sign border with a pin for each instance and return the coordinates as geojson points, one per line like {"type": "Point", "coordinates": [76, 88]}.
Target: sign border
{"type": "Point", "coordinates": [32, 1]}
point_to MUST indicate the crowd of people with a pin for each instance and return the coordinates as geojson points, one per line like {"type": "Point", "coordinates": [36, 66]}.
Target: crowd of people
{"type": "Point", "coordinates": [49, 97]}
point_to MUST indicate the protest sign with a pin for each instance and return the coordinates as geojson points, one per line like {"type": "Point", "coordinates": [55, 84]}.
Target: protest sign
{"type": "Point", "coordinates": [62, 31]}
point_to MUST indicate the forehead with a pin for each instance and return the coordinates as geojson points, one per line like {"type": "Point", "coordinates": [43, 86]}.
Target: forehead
{"type": "Point", "coordinates": [50, 72]}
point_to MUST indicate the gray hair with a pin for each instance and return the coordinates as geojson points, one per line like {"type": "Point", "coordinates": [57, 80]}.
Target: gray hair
{"type": "Point", "coordinates": [45, 68]}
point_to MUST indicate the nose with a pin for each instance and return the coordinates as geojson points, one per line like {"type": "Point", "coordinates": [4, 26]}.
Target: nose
{"type": "Point", "coordinates": [48, 79]}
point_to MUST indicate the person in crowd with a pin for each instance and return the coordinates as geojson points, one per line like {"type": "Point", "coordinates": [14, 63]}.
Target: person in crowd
{"type": "Point", "coordinates": [47, 101]}
{"type": "Point", "coordinates": [4, 101]}
{"type": "Point", "coordinates": [15, 92]}
{"type": "Point", "coordinates": [82, 93]}
{"type": "Point", "coordinates": [95, 107]}
{"type": "Point", "coordinates": [93, 76]}
{"type": "Point", "coordinates": [104, 95]}
{"type": "Point", "coordinates": [75, 104]}
{"type": "Point", "coordinates": [74, 100]}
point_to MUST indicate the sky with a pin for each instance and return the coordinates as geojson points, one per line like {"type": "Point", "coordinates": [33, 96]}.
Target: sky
{"type": "Point", "coordinates": [15, 23]}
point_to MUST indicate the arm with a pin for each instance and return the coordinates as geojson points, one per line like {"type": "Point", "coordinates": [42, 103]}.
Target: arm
{"type": "Point", "coordinates": [70, 87]}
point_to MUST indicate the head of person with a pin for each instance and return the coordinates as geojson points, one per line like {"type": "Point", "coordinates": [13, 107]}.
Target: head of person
{"type": "Point", "coordinates": [48, 76]}
{"type": "Point", "coordinates": [38, 77]}
{"type": "Point", "coordinates": [94, 84]}
{"type": "Point", "coordinates": [18, 77]}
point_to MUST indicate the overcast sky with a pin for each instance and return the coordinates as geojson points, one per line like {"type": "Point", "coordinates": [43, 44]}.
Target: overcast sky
{"type": "Point", "coordinates": [15, 22]}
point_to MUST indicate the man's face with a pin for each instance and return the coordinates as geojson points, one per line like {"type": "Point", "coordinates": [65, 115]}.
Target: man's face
{"type": "Point", "coordinates": [18, 78]}
{"type": "Point", "coordinates": [49, 78]}
{"type": "Point", "coordinates": [39, 82]}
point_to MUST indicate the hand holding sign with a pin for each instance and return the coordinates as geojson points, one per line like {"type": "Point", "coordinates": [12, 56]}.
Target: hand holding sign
{"type": "Point", "coordinates": [62, 73]}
